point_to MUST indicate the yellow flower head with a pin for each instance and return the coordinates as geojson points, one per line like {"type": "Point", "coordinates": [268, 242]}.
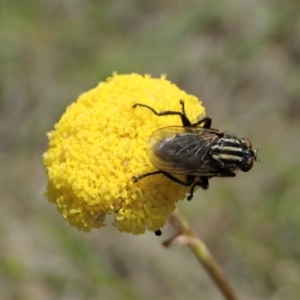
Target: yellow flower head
{"type": "Point", "coordinates": [100, 143]}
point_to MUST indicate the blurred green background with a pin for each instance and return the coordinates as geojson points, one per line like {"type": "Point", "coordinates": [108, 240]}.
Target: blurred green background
{"type": "Point", "coordinates": [241, 58]}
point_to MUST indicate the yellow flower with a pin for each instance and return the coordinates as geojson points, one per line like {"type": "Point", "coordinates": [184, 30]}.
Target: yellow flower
{"type": "Point", "coordinates": [100, 143]}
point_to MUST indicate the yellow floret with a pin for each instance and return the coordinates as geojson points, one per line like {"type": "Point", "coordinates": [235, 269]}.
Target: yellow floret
{"type": "Point", "coordinates": [100, 143]}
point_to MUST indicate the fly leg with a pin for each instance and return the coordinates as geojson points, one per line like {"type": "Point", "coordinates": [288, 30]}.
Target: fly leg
{"type": "Point", "coordinates": [203, 183]}
{"type": "Point", "coordinates": [137, 178]}
{"type": "Point", "coordinates": [189, 182]}
{"type": "Point", "coordinates": [184, 119]}
{"type": "Point", "coordinates": [205, 121]}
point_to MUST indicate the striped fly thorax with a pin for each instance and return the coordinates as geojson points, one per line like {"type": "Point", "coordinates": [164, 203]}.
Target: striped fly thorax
{"type": "Point", "coordinates": [232, 153]}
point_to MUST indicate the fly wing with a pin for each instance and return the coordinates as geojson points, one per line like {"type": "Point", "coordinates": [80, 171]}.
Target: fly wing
{"type": "Point", "coordinates": [183, 150]}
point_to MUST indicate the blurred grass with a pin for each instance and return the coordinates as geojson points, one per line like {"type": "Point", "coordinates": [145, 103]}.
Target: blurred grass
{"type": "Point", "coordinates": [241, 58]}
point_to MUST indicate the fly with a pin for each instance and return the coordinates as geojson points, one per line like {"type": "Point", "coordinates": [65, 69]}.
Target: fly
{"type": "Point", "coordinates": [197, 151]}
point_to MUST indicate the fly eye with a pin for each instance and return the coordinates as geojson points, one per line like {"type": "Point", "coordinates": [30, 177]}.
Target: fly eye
{"type": "Point", "coordinates": [247, 143]}
{"type": "Point", "coordinates": [248, 166]}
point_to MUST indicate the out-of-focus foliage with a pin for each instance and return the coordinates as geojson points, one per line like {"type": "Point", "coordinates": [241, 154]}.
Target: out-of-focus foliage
{"type": "Point", "coordinates": [240, 57]}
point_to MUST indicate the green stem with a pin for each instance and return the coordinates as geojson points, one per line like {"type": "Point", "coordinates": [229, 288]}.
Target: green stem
{"type": "Point", "coordinates": [186, 235]}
